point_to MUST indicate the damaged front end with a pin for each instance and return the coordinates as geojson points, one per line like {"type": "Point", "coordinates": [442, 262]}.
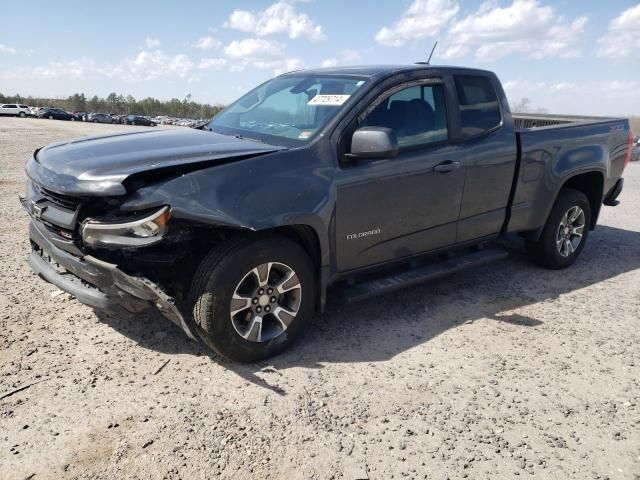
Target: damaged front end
{"type": "Point", "coordinates": [103, 229]}
{"type": "Point", "coordinates": [84, 258]}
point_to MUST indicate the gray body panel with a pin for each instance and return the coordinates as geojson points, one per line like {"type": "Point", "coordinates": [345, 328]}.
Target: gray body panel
{"type": "Point", "coordinates": [552, 155]}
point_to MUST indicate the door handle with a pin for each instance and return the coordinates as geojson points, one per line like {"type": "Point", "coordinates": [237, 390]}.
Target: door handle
{"type": "Point", "coordinates": [447, 166]}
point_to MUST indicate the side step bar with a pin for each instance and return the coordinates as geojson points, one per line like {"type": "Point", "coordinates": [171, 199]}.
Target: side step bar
{"type": "Point", "coordinates": [379, 286]}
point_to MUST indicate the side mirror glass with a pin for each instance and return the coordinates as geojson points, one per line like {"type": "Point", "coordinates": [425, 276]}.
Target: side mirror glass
{"type": "Point", "coordinates": [373, 142]}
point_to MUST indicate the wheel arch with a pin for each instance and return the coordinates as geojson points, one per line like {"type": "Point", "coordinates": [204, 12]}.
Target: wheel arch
{"type": "Point", "coordinates": [592, 185]}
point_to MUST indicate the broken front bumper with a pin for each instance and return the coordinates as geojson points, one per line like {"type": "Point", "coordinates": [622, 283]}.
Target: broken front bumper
{"type": "Point", "coordinates": [96, 283]}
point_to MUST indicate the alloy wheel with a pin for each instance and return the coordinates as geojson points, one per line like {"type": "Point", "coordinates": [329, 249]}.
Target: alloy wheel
{"type": "Point", "coordinates": [570, 231]}
{"type": "Point", "coordinates": [265, 302]}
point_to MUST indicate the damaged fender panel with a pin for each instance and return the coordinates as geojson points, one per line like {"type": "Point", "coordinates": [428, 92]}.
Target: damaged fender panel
{"type": "Point", "coordinates": [257, 194]}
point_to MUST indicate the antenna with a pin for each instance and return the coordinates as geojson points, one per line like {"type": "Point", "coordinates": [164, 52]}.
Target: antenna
{"type": "Point", "coordinates": [430, 55]}
{"type": "Point", "coordinates": [432, 50]}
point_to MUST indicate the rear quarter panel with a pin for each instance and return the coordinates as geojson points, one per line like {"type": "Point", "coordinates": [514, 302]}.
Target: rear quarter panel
{"type": "Point", "coordinates": [551, 156]}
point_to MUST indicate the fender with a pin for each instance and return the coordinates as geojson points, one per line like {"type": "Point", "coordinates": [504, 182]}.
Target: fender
{"type": "Point", "coordinates": [263, 193]}
{"type": "Point", "coordinates": [550, 158]}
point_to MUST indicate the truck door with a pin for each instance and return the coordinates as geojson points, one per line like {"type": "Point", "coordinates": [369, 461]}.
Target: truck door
{"type": "Point", "coordinates": [402, 206]}
{"type": "Point", "coordinates": [488, 154]}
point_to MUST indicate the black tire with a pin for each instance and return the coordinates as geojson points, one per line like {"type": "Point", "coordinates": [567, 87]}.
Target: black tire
{"type": "Point", "coordinates": [215, 282]}
{"type": "Point", "coordinates": [152, 124]}
{"type": "Point", "coordinates": [545, 251]}
{"type": "Point", "coordinates": [22, 114]}
{"type": "Point", "coordinates": [95, 121]}
{"type": "Point", "coordinates": [50, 117]}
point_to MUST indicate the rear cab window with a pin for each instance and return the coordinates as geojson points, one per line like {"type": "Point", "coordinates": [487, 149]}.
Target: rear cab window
{"type": "Point", "coordinates": [478, 103]}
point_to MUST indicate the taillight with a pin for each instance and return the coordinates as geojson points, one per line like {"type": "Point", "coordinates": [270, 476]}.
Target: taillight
{"type": "Point", "coordinates": [627, 155]}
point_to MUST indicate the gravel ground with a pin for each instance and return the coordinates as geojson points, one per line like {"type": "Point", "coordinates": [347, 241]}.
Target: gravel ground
{"type": "Point", "coordinates": [505, 371]}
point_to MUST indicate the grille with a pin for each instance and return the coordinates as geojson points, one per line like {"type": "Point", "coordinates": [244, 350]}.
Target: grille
{"type": "Point", "coordinates": [70, 203]}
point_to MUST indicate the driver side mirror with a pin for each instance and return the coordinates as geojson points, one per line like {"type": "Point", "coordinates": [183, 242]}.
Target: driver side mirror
{"type": "Point", "coordinates": [373, 142]}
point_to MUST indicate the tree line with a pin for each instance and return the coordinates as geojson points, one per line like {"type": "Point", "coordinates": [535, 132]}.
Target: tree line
{"type": "Point", "coordinates": [120, 104]}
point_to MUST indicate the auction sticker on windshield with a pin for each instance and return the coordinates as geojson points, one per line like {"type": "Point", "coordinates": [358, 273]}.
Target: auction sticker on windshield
{"type": "Point", "coordinates": [329, 100]}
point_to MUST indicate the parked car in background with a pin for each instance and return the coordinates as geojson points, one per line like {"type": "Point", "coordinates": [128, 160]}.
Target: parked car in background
{"type": "Point", "coordinates": [53, 113]}
{"type": "Point", "coordinates": [80, 115]}
{"type": "Point", "coordinates": [99, 118]}
{"type": "Point", "coordinates": [139, 120]}
{"type": "Point", "coordinates": [14, 110]}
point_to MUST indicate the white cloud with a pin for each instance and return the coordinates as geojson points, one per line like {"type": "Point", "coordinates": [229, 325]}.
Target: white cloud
{"type": "Point", "coordinates": [586, 97]}
{"type": "Point", "coordinates": [330, 62]}
{"type": "Point", "coordinates": [454, 51]}
{"type": "Point", "coordinates": [207, 42]}
{"type": "Point", "coordinates": [280, 17]}
{"type": "Point", "coordinates": [212, 63]}
{"type": "Point", "coordinates": [147, 65]}
{"type": "Point", "coordinates": [152, 64]}
{"type": "Point", "coordinates": [9, 50]}
{"type": "Point", "coordinates": [423, 18]}
{"type": "Point", "coordinates": [623, 37]}
{"type": "Point", "coordinates": [289, 65]}
{"type": "Point", "coordinates": [525, 27]}
{"type": "Point", "coordinates": [254, 49]}
{"type": "Point", "coordinates": [347, 56]}
{"type": "Point", "coordinates": [261, 54]}
{"type": "Point", "coordinates": [152, 42]}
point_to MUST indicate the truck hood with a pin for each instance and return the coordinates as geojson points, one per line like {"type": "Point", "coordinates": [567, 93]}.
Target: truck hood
{"type": "Point", "coordinates": [97, 166]}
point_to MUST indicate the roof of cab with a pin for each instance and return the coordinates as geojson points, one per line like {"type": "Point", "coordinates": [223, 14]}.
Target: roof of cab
{"type": "Point", "coordinates": [381, 70]}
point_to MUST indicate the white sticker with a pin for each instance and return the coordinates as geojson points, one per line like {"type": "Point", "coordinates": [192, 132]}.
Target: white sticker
{"type": "Point", "coordinates": [329, 100]}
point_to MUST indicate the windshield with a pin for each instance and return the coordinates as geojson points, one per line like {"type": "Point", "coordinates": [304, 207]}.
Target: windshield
{"type": "Point", "coordinates": [287, 110]}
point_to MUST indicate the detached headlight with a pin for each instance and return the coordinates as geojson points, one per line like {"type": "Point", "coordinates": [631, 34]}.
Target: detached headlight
{"type": "Point", "coordinates": [137, 233]}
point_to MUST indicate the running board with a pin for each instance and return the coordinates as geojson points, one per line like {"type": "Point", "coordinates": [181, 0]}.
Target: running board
{"type": "Point", "coordinates": [381, 285]}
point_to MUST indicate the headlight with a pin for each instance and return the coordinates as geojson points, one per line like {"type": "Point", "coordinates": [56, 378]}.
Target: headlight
{"type": "Point", "coordinates": [141, 232]}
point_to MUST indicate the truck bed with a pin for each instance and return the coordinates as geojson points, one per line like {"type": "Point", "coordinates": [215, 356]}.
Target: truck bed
{"type": "Point", "coordinates": [524, 121]}
{"type": "Point", "coordinates": [552, 148]}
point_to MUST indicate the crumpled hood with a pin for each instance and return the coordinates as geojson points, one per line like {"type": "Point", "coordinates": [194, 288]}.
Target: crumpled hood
{"type": "Point", "coordinates": [96, 166]}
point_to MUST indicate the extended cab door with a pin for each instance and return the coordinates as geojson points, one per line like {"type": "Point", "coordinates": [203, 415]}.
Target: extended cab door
{"type": "Point", "coordinates": [397, 207]}
{"type": "Point", "coordinates": [488, 153]}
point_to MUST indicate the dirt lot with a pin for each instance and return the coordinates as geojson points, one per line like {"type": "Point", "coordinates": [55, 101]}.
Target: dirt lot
{"type": "Point", "coordinates": [508, 370]}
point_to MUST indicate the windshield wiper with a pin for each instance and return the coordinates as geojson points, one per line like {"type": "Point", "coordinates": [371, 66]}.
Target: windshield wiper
{"type": "Point", "coordinates": [242, 137]}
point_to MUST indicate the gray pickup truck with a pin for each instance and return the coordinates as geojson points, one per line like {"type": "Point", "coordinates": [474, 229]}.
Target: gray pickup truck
{"type": "Point", "coordinates": [366, 179]}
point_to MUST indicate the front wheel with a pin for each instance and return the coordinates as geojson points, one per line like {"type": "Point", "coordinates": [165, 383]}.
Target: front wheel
{"type": "Point", "coordinates": [251, 297]}
{"type": "Point", "coordinates": [565, 233]}
{"type": "Point", "coordinates": [50, 117]}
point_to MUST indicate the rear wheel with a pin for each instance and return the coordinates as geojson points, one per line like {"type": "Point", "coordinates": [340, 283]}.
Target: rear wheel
{"type": "Point", "coordinates": [565, 232]}
{"type": "Point", "coordinates": [251, 297]}
{"type": "Point", "coordinates": [22, 114]}
{"type": "Point", "coordinates": [95, 121]}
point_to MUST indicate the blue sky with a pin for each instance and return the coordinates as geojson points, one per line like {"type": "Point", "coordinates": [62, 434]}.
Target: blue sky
{"type": "Point", "coordinates": [566, 56]}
